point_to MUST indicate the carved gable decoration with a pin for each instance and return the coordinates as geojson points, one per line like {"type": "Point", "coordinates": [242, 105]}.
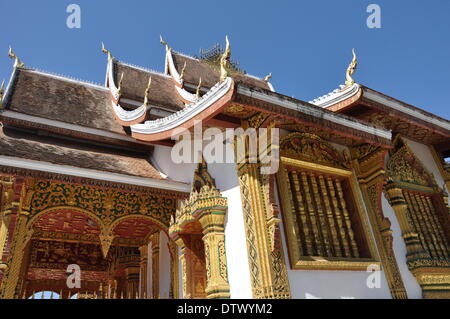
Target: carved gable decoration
{"type": "Point", "coordinates": [310, 148]}
{"type": "Point", "coordinates": [404, 167]}
{"type": "Point", "coordinates": [202, 177]}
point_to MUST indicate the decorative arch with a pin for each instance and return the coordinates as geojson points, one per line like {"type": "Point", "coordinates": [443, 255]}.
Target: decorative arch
{"type": "Point", "coordinates": [207, 208]}
{"type": "Point", "coordinates": [311, 148]}
{"type": "Point", "coordinates": [404, 167]}
{"type": "Point", "coordinates": [31, 222]}
{"type": "Point", "coordinates": [107, 205]}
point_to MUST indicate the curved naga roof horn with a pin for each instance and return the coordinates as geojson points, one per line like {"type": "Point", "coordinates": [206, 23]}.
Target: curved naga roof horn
{"type": "Point", "coordinates": [349, 81]}
{"type": "Point", "coordinates": [225, 60]}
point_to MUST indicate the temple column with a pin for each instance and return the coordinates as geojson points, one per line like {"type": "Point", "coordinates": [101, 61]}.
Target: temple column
{"type": "Point", "coordinates": [6, 199]}
{"type": "Point", "coordinates": [132, 281]}
{"type": "Point", "coordinates": [182, 258]}
{"type": "Point", "coordinates": [369, 166]}
{"type": "Point", "coordinates": [174, 280]}
{"type": "Point", "coordinates": [268, 270]}
{"type": "Point", "coordinates": [413, 245]}
{"type": "Point", "coordinates": [212, 221]}
{"type": "Point", "coordinates": [143, 272]}
{"type": "Point", "coordinates": [11, 282]}
{"type": "Point", "coordinates": [154, 239]}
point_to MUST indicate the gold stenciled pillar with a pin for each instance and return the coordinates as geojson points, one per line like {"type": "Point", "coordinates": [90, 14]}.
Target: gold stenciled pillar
{"type": "Point", "coordinates": [212, 220]}
{"type": "Point", "coordinates": [154, 239]}
{"type": "Point", "coordinates": [6, 199]}
{"type": "Point", "coordinates": [413, 245]}
{"type": "Point", "coordinates": [420, 206]}
{"type": "Point", "coordinates": [266, 260]}
{"type": "Point", "coordinates": [174, 280]}
{"type": "Point", "coordinates": [143, 265]}
{"type": "Point", "coordinates": [10, 288]}
{"type": "Point", "coordinates": [207, 209]}
{"type": "Point", "coordinates": [369, 165]}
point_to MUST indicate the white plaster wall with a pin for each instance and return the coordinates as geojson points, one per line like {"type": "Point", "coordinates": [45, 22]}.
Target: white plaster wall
{"type": "Point", "coordinates": [227, 181]}
{"type": "Point", "coordinates": [164, 266]}
{"type": "Point", "coordinates": [413, 289]}
{"type": "Point", "coordinates": [178, 172]}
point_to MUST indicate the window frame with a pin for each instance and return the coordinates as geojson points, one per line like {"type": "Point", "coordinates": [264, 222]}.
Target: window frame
{"type": "Point", "coordinates": [298, 262]}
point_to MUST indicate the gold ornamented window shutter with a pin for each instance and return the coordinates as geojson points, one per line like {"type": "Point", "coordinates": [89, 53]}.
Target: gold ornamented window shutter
{"type": "Point", "coordinates": [322, 210]}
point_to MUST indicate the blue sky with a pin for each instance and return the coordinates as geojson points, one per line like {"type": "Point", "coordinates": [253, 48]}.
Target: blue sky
{"type": "Point", "coordinates": [305, 44]}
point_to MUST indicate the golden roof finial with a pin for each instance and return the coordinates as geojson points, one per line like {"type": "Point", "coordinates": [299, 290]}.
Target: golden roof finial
{"type": "Point", "coordinates": [267, 77]}
{"type": "Point", "coordinates": [197, 92]}
{"type": "Point", "coordinates": [2, 92]}
{"type": "Point", "coordinates": [164, 43]}
{"type": "Point", "coordinates": [182, 71]}
{"type": "Point", "coordinates": [349, 81]}
{"type": "Point", "coordinates": [147, 92]}
{"type": "Point", "coordinates": [119, 88]}
{"type": "Point", "coordinates": [106, 51]}
{"type": "Point", "coordinates": [224, 60]}
{"type": "Point", "coordinates": [17, 63]}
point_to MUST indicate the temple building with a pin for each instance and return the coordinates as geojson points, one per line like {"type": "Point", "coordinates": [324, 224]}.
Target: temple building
{"type": "Point", "coordinates": [345, 197]}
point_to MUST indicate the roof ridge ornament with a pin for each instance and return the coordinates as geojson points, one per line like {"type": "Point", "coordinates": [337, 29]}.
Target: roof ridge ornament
{"type": "Point", "coordinates": [2, 92]}
{"type": "Point", "coordinates": [349, 81]}
{"type": "Point", "coordinates": [119, 88]}
{"type": "Point", "coordinates": [267, 77]}
{"type": "Point", "coordinates": [197, 92]}
{"type": "Point", "coordinates": [161, 40]}
{"type": "Point", "coordinates": [225, 60]}
{"type": "Point", "coordinates": [147, 92]}
{"type": "Point", "coordinates": [106, 51]}
{"type": "Point", "coordinates": [182, 72]}
{"type": "Point", "coordinates": [17, 63]}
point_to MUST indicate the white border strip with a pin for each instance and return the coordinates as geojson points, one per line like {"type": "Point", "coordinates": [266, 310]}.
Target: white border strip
{"type": "Point", "coordinates": [189, 112]}
{"type": "Point", "coordinates": [93, 174]}
{"type": "Point", "coordinates": [336, 96]}
{"type": "Point", "coordinates": [376, 97]}
{"type": "Point", "coordinates": [307, 109]}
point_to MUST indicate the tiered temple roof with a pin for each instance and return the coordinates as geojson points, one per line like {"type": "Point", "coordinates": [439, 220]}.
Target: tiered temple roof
{"type": "Point", "coordinates": [140, 107]}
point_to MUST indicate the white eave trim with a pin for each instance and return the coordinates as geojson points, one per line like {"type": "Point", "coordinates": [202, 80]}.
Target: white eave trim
{"type": "Point", "coordinates": [93, 174]}
{"type": "Point", "coordinates": [189, 112]}
{"type": "Point", "coordinates": [376, 97]}
{"type": "Point", "coordinates": [172, 69]}
{"type": "Point", "coordinates": [310, 110]}
{"type": "Point", "coordinates": [336, 96]}
{"type": "Point", "coordinates": [68, 126]}
{"type": "Point", "coordinates": [128, 116]}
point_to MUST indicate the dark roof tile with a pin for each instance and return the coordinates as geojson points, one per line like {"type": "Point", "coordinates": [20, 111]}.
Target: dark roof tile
{"type": "Point", "coordinates": [43, 95]}
{"type": "Point", "coordinates": [134, 84]}
{"type": "Point", "coordinates": [58, 152]}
